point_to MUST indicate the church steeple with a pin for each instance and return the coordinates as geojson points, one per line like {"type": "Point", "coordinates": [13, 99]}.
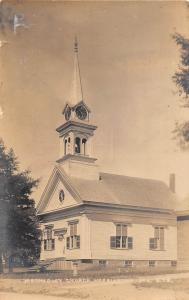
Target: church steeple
{"type": "Point", "coordinates": [77, 132]}
{"type": "Point", "coordinates": [76, 108]}
{"type": "Point", "coordinates": [76, 94]}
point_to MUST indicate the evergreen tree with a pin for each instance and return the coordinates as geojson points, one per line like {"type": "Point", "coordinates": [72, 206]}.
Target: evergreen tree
{"type": "Point", "coordinates": [181, 79]}
{"type": "Point", "coordinates": [19, 230]}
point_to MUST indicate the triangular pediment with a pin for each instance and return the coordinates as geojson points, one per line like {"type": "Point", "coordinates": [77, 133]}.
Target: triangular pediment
{"type": "Point", "coordinates": [58, 194]}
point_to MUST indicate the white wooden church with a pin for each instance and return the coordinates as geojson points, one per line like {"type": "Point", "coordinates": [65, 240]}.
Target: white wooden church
{"type": "Point", "coordinates": [97, 218]}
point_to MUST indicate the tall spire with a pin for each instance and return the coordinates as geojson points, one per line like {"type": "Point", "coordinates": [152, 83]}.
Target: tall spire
{"type": "Point", "coordinates": [76, 88]}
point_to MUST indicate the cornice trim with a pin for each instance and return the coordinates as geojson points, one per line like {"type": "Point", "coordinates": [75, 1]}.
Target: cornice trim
{"type": "Point", "coordinates": [128, 207]}
{"type": "Point", "coordinates": [75, 124]}
{"type": "Point", "coordinates": [95, 208]}
{"type": "Point", "coordinates": [73, 157]}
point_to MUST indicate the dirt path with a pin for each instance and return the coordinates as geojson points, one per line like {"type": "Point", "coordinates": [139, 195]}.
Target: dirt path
{"type": "Point", "coordinates": [13, 296]}
{"type": "Point", "coordinates": [98, 291]}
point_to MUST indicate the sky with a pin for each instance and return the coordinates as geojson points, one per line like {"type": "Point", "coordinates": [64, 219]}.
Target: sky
{"type": "Point", "coordinates": [127, 60]}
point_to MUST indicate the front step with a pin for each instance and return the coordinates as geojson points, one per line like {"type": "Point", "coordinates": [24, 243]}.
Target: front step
{"type": "Point", "coordinates": [42, 265]}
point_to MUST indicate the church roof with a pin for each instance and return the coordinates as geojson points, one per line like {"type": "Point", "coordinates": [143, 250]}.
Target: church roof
{"type": "Point", "coordinates": [124, 190]}
{"type": "Point", "coordinates": [112, 189]}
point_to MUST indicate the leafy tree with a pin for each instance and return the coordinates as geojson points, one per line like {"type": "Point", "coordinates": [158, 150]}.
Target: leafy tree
{"type": "Point", "coordinates": [181, 79]}
{"type": "Point", "coordinates": [19, 230]}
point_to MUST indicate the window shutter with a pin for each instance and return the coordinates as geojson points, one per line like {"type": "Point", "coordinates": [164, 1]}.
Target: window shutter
{"type": "Point", "coordinates": [45, 244]}
{"type": "Point", "coordinates": [130, 243]}
{"type": "Point", "coordinates": [152, 245]}
{"type": "Point", "coordinates": [77, 241]}
{"type": "Point", "coordinates": [53, 244]}
{"type": "Point", "coordinates": [112, 242]}
{"type": "Point", "coordinates": [68, 242]}
{"type": "Point", "coordinates": [124, 241]}
{"type": "Point", "coordinates": [72, 242]}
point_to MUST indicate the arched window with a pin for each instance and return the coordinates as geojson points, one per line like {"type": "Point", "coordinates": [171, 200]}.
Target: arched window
{"type": "Point", "coordinates": [65, 146]}
{"type": "Point", "coordinates": [77, 145]}
{"type": "Point", "coordinates": [84, 146]}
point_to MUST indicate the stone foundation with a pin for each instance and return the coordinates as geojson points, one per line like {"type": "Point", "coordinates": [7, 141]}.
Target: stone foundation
{"type": "Point", "coordinates": [114, 265]}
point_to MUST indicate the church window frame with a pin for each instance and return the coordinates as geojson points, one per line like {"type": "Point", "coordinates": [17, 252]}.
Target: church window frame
{"type": "Point", "coordinates": [121, 240]}
{"type": "Point", "coordinates": [73, 240]}
{"type": "Point", "coordinates": [158, 241]}
{"type": "Point", "coordinates": [48, 239]}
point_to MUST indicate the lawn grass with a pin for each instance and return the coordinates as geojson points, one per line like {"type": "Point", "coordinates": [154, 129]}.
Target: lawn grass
{"type": "Point", "coordinates": [180, 284]}
{"type": "Point", "coordinates": [93, 274]}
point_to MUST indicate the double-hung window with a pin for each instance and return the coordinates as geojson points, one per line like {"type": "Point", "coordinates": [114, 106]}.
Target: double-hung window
{"type": "Point", "coordinates": [49, 242]}
{"type": "Point", "coordinates": [121, 240]}
{"type": "Point", "coordinates": [157, 242]}
{"type": "Point", "coordinates": [73, 240]}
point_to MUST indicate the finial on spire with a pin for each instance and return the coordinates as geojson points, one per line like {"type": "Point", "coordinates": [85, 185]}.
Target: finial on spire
{"type": "Point", "coordinates": [75, 45]}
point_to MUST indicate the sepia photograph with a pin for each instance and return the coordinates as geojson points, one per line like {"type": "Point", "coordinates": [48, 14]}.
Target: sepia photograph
{"type": "Point", "coordinates": [94, 150]}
